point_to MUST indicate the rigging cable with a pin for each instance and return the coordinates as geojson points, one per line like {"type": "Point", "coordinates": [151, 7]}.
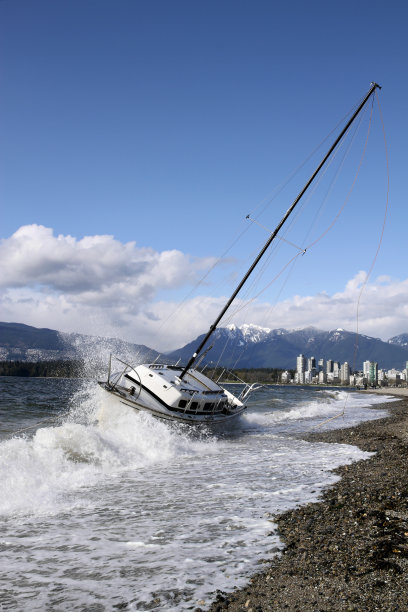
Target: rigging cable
{"type": "Point", "coordinates": [326, 230]}
{"type": "Point", "coordinates": [268, 200]}
{"type": "Point", "coordinates": [302, 206]}
{"type": "Point", "coordinates": [374, 258]}
{"type": "Point", "coordinates": [49, 420]}
{"type": "Point", "coordinates": [293, 259]}
{"type": "Point", "coordinates": [382, 230]}
{"type": "Point", "coordinates": [281, 187]}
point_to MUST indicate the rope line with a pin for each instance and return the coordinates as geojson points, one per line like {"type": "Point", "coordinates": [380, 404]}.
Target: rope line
{"type": "Point", "coordinates": [373, 261]}
{"type": "Point", "coordinates": [381, 234]}
{"type": "Point", "coordinates": [237, 310]}
{"type": "Point", "coordinates": [350, 190]}
{"type": "Point", "coordinates": [33, 426]}
{"type": "Point", "coordinates": [242, 306]}
{"type": "Point", "coordinates": [264, 203]}
{"type": "Point", "coordinates": [303, 204]}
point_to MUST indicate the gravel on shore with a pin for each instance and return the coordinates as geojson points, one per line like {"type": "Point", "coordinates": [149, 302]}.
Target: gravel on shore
{"type": "Point", "coordinates": [348, 551]}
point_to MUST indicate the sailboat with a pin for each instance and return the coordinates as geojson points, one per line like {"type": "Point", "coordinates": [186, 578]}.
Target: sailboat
{"type": "Point", "coordinates": [184, 394]}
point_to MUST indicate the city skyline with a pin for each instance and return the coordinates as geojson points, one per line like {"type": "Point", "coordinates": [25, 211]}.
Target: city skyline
{"type": "Point", "coordinates": [329, 371]}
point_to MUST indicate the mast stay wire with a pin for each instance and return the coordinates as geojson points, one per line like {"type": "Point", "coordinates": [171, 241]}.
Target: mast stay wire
{"type": "Point", "coordinates": [335, 178]}
{"type": "Point", "coordinates": [306, 201]}
{"type": "Point", "coordinates": [382, 229]}
{"type": "Point", "coordinates": [297, 213]}
{"type": "Point", "coordinates": [325, 171]}
{"type": "Point", "coordinates": [270, 239]}
{"type": "Point", "coordinates": [302, 205]}
{"type": "Point", "coordinates": [244, 305]}
{"type": "Point", "coordinates": [351, 188]}
{"type": "Point", "coordinates": [373, 260]}
{"type": "Point", "coordinates": [268, 200]}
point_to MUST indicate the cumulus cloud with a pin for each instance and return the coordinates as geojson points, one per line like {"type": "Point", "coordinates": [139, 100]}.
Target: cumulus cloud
{"type": "Point", "coordinates": [98, 285]}
{"type": "Point", "coordinates": [93, 270]}
{"type": "Point", "coordinates": [378, 308]}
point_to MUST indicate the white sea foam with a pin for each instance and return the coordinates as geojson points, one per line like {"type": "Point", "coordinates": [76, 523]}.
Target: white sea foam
{"type": "Point", "coordinates": [38, 474]}
{"type": "Point", "coordinates": [113, 507]}
{"type": "Point", "coordinates": [335, 408]}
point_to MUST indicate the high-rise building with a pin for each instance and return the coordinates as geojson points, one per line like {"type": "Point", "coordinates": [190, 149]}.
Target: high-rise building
{"type": "Point", "coordinates": [329, 366]}
{"type": "Point", "coordinates": [320, 365]}
{"type": "Point", "coordinates": [366, 369]}
{"type": "Point", "coordinates": [311, 363]}
{"type": "Point", "coordinates": [372, 372]}
{"type": "Point", "coordinates": [300, 364]}
{"type": "Point", "coordinates": [345, 373]}
{"type": "Point", "coordinates": [382, 377]}
{"type": "Point", "coordinates": [336, 369]}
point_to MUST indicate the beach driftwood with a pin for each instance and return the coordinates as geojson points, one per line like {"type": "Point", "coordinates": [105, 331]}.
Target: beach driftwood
{"type": "Point", "coordinates": [350, 550]}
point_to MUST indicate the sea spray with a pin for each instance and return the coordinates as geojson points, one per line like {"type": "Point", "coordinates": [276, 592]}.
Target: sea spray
{"type": "Point", "coordinates": [111, 507]}
{"type": "Point", "coordinates": [39, 474]}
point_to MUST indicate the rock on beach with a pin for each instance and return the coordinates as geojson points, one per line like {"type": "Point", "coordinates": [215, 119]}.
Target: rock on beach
{"type": "Point", "coordinates": [349, 551]}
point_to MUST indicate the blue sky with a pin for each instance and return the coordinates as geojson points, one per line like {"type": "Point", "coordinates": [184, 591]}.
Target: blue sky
{"type": "Point", "coordinates": [136, 137]}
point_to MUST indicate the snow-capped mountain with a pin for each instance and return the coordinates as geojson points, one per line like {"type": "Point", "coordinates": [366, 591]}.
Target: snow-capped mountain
{"type": "Point", "coordinates": [247, 346]}
{"type": "Point", "coordinates": [401, 340]}
{"type": "Point", "coordinates": [251, 346]}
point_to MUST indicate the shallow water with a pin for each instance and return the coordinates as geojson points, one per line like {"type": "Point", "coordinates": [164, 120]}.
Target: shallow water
{"type": "Point", "coordinates": [101, 506]}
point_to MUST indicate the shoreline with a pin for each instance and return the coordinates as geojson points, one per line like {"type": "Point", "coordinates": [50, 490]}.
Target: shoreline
{"type": "Point", "coordinates": [349, 550]}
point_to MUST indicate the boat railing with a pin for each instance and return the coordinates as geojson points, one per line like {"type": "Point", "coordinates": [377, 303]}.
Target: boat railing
{"type": "Point", "coordinates": [248, 387]}
{"type": "Point", "coordinates": [114, 377]}
{"type": "Point", "coordinates": [214, 409]}
{"type": "Point", "coordinates": [190, 402]}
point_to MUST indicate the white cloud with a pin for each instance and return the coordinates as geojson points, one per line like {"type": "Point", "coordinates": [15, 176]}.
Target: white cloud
{"type": "Point", "coordinates": [93, 270]}
{"type": "Point", "coordinates": [97, 285]}
{"type": "Point", "coordinates": [379, 310]}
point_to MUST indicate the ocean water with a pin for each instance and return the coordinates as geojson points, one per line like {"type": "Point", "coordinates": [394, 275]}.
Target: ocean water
{"type": "Point", "coordinates": [103, 508]}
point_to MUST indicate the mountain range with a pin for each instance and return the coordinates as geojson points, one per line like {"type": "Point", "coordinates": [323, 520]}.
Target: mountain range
{"type": "Point", "coordinates": [250, 346]}
{"type": "Point", "coordinates": [20, 342]}
{"type": "Point", "coordinates": [247, 346]}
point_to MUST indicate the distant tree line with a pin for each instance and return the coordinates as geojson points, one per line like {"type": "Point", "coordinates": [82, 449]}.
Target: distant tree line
{"type": "Point", "coordinates": [248, 375]}
{"type": "Point", "coordinates": [74, 369]}
{"type": "Point", "coordinates": [44, 369]}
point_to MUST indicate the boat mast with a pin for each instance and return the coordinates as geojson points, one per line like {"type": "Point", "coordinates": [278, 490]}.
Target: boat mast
{"type": "Point", "coordinates": [213, 327]}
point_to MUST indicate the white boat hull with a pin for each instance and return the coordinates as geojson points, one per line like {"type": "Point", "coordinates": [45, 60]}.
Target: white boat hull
{"type": "Point", "coordinates": [157, 389]}
{"type": "Point", "coordinates": [161, 413]}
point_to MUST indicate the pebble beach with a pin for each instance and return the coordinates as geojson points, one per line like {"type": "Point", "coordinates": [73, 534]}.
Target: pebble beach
{"type": "Point", "coordinates": [348, 551]}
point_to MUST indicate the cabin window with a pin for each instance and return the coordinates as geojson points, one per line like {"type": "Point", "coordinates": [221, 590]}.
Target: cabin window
{"type": "Point", "coordinates": [208, 406]}
{"type": "Point", "coordinates": [182, 403]}
{"type": "Point", "coordinates": [194, 405]}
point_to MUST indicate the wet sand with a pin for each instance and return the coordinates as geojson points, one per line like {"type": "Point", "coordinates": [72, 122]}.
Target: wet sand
{"type": "Point", "coordinates": [348, 551]}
